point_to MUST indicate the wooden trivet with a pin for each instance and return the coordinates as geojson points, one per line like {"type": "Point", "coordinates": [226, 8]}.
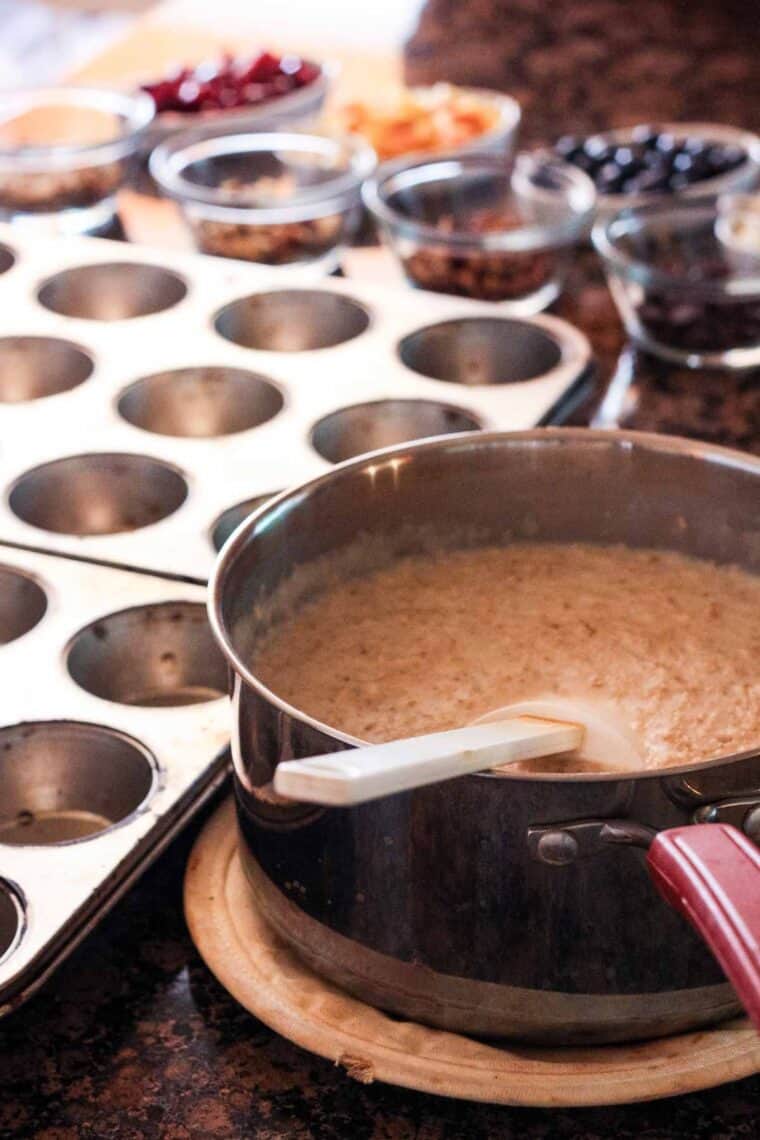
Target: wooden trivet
{"type": "Point", "coordinates": [270, 981]}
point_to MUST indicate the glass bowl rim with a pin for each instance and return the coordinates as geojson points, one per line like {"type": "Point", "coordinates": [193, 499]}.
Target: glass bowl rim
{"type": "Point", "coordinates": [169, 160]}
{"type": "Point", "coordinates": [136, 109]}
{"type": "Point", "coordinates": [608, 231]}
{"type": "Point", "coordinates": [402, 174]}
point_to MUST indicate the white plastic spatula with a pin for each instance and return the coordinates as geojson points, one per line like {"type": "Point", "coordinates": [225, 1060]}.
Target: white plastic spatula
{"type": "Point", "coordinates": [505, 736]}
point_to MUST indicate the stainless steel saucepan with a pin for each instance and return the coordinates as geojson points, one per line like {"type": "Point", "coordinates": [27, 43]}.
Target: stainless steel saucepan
{"type": "Point", "coordinates": [512, 904]}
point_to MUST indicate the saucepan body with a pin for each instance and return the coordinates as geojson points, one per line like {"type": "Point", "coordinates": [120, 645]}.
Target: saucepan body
{"type": "Point", "coordinates": [489, 904]}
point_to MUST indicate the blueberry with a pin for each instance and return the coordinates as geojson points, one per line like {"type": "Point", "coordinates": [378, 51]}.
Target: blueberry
{"type": "Point", "coordinates": [596, 147]}
{"type": "Point", "coordinates": [624, 157]}
{"type": "Point", "coordinates": [683, 162]}
{"type": "Point", "coordinates": [666, 143]}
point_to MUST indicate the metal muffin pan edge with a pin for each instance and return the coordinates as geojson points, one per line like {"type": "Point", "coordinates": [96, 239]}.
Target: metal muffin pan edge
{"type": "Point", "coordinates": [274, 447]}
{"type": "Point", "coordinates": [96, 779]}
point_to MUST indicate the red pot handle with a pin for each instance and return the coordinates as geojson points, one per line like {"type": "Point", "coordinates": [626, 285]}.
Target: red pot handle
{"type": "Point", "coordinates": [710, 873]}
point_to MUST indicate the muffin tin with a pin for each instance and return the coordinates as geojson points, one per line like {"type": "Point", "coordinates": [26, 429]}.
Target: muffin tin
{"type": "Point", "coordinates": [145, 396]}
{"type": "Point", "coordinates": [113, 732]}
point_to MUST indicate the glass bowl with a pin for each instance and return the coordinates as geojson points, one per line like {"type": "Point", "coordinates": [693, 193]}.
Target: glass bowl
{"type": "Point", "coordinates": [64, 153]}
{"type": "Point", "coordinates": [282, 198]}
{"type": "Point", "coordinates": [477, 227]}
{"type": "Point", "coordinates": [678, 289]}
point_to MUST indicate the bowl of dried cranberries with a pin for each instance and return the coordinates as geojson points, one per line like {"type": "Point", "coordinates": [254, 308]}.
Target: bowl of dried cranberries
{"type": "Point", "coordinates": [242, 91]}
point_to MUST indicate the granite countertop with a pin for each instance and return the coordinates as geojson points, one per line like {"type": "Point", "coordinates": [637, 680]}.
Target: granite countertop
{"type": "Point", "coordinates": [134, 1039]}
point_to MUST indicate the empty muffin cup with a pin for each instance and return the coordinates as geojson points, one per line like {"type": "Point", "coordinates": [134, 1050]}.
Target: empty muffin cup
{"type": "Point", "coordinates": [35, 366]}
{"type": "Point", "coordinates": [481, 350]}
{"type": "Point", "coordinates": [99, 493]}
{"type": "Point", "coordinates": [292, 320]}
{"type": "Point", "coordinates": [201, 402]}
{"type": "Point", "coordinates": [11, 919]}
{"type": "Point", "coordinates": [65, 780]}
{"type": "Point", "coordinates": [112, 291]}
{"type": "Point", "coordinates": [382, 423]}
{"type": "Point", "coordinates": [155, 656]}
{"type": "Point", "coordinates": [23, 603]}
{"type": "Point", "coordinates": [230, 520]}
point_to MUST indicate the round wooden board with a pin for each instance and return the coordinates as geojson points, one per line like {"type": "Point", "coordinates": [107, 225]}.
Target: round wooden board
{"type": "Point", "coordinates": [260, 972]}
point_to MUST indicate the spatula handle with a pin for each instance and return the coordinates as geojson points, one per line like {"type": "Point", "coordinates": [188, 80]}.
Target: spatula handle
{"type": "Point", "coordinates": [356, 775]}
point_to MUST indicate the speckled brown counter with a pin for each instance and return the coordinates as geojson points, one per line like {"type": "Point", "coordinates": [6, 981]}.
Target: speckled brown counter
{"type": "Point", "coordinates": [586, 64]}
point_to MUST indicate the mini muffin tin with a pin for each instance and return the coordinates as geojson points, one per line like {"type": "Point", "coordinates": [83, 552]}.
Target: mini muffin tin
{"type": "Point", "coordinates": [146, 399]}
{"type": "Point", "coordinates": [113, 731]}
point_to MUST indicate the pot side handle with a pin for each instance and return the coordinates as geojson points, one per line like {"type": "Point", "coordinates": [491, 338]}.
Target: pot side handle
{"type": "Point", "coordinates": [710, 873]}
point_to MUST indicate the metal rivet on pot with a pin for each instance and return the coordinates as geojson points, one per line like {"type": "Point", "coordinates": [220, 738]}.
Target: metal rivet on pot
{"type": "Point", "coordinates": [707, 814]}
{"type": "Point", "coordinates": [752, 824]}
{"type": "Point", "coordinates": [557, 848]}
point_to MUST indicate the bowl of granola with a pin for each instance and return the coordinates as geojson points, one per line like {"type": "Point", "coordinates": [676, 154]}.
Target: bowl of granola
{"type": "Point", "coordinates": [282, 198]}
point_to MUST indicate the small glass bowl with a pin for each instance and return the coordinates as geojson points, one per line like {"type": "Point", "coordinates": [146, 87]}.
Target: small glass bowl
{"type": "Point", "coordinates": [64, 153]}
{"type": "Point", "coordinates": [282, 198]}
{"type": "Point", "coordinates": [477, 227]}
{"type": "Point", "coordinates": [678, 289]}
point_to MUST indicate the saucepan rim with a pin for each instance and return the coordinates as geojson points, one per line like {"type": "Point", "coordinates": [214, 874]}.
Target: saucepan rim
{"type": "Point", "coordinates": [627, 440]}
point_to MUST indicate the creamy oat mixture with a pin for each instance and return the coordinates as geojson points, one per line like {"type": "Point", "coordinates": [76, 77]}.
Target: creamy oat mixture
{"type": "Point", "coordinates": [431, 643]}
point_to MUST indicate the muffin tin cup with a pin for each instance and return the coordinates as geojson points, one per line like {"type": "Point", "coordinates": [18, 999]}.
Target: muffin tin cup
{"type": "Point", "coordinates": [33, 367]}
{"type": "Point", "coordinates": [209, 381]}
{"type": "Point", "coordinates": [121, 735]}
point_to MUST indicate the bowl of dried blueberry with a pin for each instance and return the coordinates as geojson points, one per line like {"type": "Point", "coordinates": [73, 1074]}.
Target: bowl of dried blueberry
{"type": "Point", "coordinates": [680, 292]}
{"type": "Point", "coordinates": [635, 165]}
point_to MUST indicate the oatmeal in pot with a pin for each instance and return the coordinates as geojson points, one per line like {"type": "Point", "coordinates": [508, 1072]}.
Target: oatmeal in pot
{"type": "Point", "coordinates": [432, 642]}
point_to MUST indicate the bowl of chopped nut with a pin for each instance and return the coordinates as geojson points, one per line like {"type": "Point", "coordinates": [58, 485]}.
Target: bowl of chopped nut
{"type": "Point", "coordinates": [282, 198]}
{"type": "Point", "coordinates": [479, 227]}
